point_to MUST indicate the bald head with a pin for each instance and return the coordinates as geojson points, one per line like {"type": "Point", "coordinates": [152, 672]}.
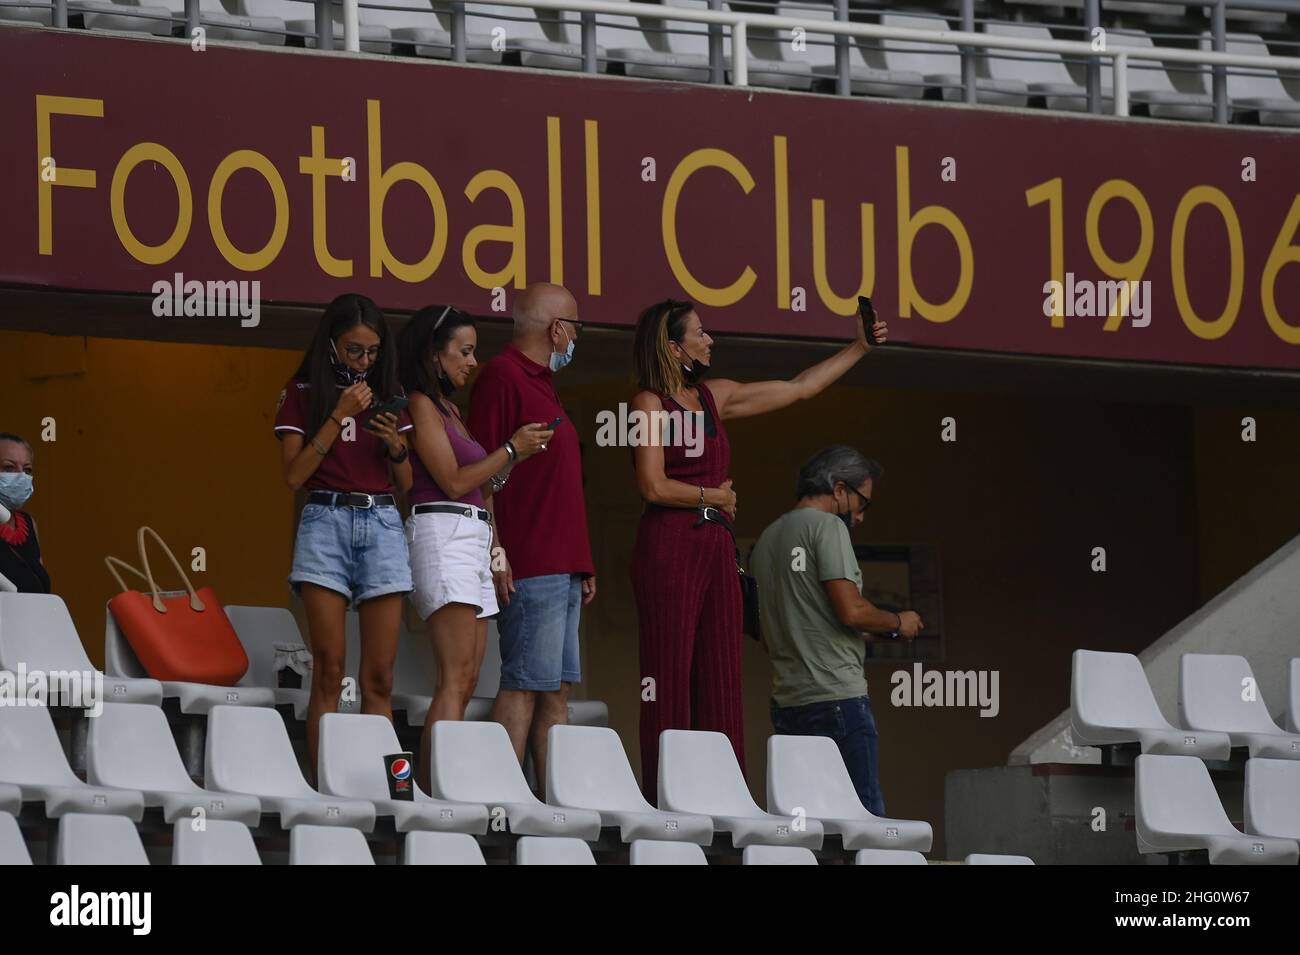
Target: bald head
{"type": "Point", "coordinates": [541, 304]}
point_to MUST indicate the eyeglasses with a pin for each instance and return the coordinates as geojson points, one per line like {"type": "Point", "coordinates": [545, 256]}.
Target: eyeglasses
{"type": "Point", "coordinates": [355, 352]}
{"type": "Point", "coordinates": [866, 501]}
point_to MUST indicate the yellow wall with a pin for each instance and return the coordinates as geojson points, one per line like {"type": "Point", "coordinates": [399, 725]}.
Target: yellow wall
{"type": "Point", "coordinates": [179, 436]}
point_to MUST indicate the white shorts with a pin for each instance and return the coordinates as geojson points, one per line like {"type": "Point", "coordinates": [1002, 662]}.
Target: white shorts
{"type": "Point", "coordinates": [451, 562]}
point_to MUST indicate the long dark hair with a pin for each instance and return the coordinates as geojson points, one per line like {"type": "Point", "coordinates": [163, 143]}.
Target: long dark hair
{"type": "Point", "coordinates": [425, 335]}
{"type": "Point", "coordinates": [656, 368]}
{"type": "Point", "coordinates": [344, 313]}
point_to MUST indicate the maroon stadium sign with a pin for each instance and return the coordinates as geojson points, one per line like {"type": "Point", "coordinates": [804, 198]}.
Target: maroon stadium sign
{"type": "Point", "coordinates": [135, 165]}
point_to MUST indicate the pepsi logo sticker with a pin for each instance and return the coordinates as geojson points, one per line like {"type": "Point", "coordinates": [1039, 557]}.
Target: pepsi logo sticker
{"type": "Point", "coordinates": [401, 769]}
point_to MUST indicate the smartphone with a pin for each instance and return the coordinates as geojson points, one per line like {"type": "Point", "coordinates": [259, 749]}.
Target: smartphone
{"type": "Point", "coordinates": [867, 312]}
{"type": "Point", "coordinates": [393, 405]}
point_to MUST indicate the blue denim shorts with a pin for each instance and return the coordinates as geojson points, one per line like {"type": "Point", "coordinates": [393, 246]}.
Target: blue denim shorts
{"type": "Point", "coordinates": [539, 633]}
{"type": "Point", "coordinates": [358, 552]}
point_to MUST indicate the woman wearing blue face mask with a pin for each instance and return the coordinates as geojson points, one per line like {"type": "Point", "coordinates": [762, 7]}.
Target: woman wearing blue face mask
{"type": "Point", "coordinates": [20, 553]}
{"type": "Point", "coordinates": [350, 549]}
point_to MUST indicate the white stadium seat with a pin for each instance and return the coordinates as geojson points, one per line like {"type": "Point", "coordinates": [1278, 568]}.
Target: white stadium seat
{"type": "Point", "coordinates": [122, 16]}
{"type": "Point", "coordinates": [248, 751]}
{"type": "Point", "coordinates": [37, 631]}
{"type": "Point", "coordinates": [441, 848]}
{"type": "Point", "coordinates": [769, 64]}
{"type": "Point", "coordinates": [658, 852]}
{"type": "Point", "coordinates": [1252, 91]}
{"type": "Point", "coordinates": [131, 747]}
{"type": "Point", "coordinates": [194, 699]}
{"type": "Point", "coordinates": [351, 755]}
{"type": "Point", "coordinates": [474, 762]}
{"type": "Point", "coordinates": [587, 768]}
{"type": "Point", "coordinates": [1045, 74]}
{"type": "Point", "coordinates": [11, 798]}
{"type": "Point", "coordinates": [541, 39]}
{"type": "Point", "coordinates": [984, 858]}
{"type": "Point", "coordinates": [806, 774]}
{"type": "Point", "coordinates": [554, 850]}
{"type": "Point", "coordinates": [1271, 802]}
{"type": "Point", "coordinates": [1178, 810]}
{"type": "Point", "coordinates": [98, 840]}
{"type": "Point", "coordinates": [328, 845]}
{"type": "Point", "coordinates": [865, 79]}
{"type": "Point", "coordinates": [940, 64]}
{"type": "Point", "coordinates": [263, 631]}
{"type": "Point", "coordinates": [640, 48]}
{"type": "Point", "coordinates": [1111, 703]}
{"type": "Point", "coordinates": [1293, 699]}
{"type": "Point", "coordinates": [32, 759]}
{"type": "Point", "coordinates": [1151, 88]}
{"type": "Point", "coordinates": [698, 773]}
{"type": "Point", "coordinates": [888, 857]}
{"type": "Point", "coordinates": [219, 842]}
{"type": "Point", "coordinates": [1217, 692]}
{"type": "Point", "coordinates": [13, 851]}
{"type": "Point", "coordinates": [778, 855]}
{"type": "Point", "coordinates": [220, 24]}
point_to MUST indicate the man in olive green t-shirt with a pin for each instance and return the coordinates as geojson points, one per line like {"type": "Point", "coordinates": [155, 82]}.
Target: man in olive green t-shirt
{"type": "Point", "coordinates": [815, 620]}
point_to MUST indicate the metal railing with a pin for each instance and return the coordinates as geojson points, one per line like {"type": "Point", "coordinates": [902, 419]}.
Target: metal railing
{"type": "Point", "coordinates": [842, 31]}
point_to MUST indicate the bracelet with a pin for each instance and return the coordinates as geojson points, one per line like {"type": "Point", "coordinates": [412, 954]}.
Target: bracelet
{"type": "Point", "coordinates": [319, 448]}
{"type": "Point", "coordinates": [337, 422]}
{"type": "Point", "coordinates": [510, 450]}
{"type": "Point", "coordinates": [499, 481]}
{"type": "Point", "coordinates": [701, 495]}
{"type": "Point", "coordinates": [400, 458]}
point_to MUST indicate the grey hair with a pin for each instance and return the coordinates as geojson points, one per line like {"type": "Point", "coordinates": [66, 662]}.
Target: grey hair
{"type": "Point", "coordinates": [837, 463]}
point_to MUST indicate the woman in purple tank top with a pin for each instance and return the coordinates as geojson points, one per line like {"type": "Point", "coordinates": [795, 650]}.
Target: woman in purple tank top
{"type": "Point", "coordinates": [450, 530]}
{"type": "Point", "coordinates": [684, 576]}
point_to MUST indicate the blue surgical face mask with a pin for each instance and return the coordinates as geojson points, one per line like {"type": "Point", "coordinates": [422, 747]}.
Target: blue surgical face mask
{"type": "Point", "coordinates": [561, 358]}
{"type": "Point", "coordinates": [15, 489]}
{"type": "Point", "coordinates": [344, 374]}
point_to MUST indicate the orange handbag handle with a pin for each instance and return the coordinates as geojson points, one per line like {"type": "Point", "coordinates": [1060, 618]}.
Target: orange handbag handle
{"type": "Point", "coordinates": [195, 603]}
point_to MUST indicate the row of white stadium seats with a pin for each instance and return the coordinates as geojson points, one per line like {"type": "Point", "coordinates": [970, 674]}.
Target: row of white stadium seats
{"type": "Point", "coordinates": [112, 840]}
{"type": "Point", "coordinates": [251, 772]}
{"type": "Point", "coordinates": [1219, 703]}
{"type": "Point", "coordinates": [37, 632]}
{"type": "Point", "coordinates": [679, 50]}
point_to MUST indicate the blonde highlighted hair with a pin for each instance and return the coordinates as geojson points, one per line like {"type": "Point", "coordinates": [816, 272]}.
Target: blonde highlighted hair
{"type": "Point", "coordinates": [656, 368]}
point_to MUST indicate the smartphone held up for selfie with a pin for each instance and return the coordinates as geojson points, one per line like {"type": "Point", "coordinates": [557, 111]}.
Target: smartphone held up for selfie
{"type": "Point", "coordinates": [867, 312]}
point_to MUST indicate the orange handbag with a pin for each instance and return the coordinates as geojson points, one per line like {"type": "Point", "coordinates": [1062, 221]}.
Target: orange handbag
{"type": "Point", "coordinates": [182, 637]}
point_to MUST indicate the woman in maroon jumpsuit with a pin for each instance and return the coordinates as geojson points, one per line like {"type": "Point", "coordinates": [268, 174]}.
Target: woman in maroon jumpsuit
{"type": "Point", "coordinates": [684, 573]}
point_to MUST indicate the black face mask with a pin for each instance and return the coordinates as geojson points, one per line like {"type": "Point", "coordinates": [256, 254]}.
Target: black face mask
{"type": "Point", "coordinates": [696, 372]}
{"type": "Point", "coordinates": [344, 375]}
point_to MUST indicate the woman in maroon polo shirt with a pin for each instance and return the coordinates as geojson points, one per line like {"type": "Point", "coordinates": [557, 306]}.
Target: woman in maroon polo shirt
{"type": "Point", "coordinates": [684, 574]}
{"type": "Point", "coordinates": [450, 531]}
{"type": "Point", "coordinates": [350, 548]}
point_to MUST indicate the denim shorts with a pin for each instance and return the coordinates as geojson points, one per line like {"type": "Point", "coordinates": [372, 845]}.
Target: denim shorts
{"type": "Point", "coordinates": [539, 633]}
{"type": "Point", "coordinates": [358, 552]}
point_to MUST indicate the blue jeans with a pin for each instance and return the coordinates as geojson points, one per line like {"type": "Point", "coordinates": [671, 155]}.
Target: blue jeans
{"type": "Point", "coordinates": [851, 725]}
{"type": "Point", "coordinates": [539, 633]}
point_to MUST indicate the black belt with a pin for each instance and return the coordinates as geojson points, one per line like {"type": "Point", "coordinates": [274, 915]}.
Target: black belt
{"type": "Point", "coordinates": [351, 499]}
{"type": "Point", "coordinates": [464, 510]}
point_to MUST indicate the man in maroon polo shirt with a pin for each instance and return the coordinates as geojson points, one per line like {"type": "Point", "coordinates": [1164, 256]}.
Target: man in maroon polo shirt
{"type": "Point", "coordinates": [546, 575]}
